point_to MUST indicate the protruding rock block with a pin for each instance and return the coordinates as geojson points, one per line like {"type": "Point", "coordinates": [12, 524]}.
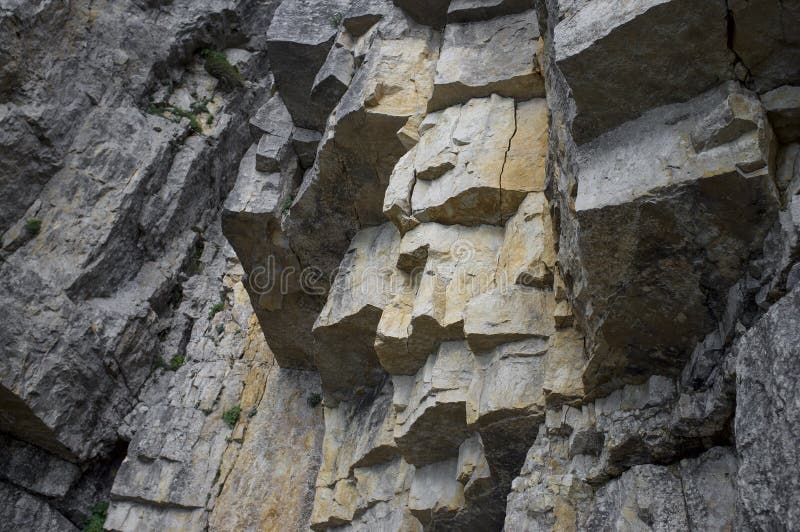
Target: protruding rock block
{"type": "Point", "coordinates": [783, 110]}
{"type": "Point", "coordinates": [435, 492]}
{"type": "Point", "coordinates": [508, 383]}
{"type": "Point", "coordinates": [474, 10]}
{"type": "Point", "coordinates": [305, 142]}
{"type": "Point", "coordinates": [251, 223]}
{"type": "Point", "coordinates": [347, 324]}
{"type": "Point", "coordinates": [428, 12]}
{"type": "Point", "coordinates": [300, 37]}
{"type": "Point", "coordinates": [431, 417]}
{"type": "Point", "coordinates": [271, 152]}
{"type": "Point", "coordinates": [483, 58]}
{"type": "Point", "coordinates": [564, 367]}
{"type": "Point", "coordinates": [272, 118]}
{"type": "Point", "coordinates": [665, 230]}
{"type": "Point", "coordinates": [508, 314]}
{"type": "Point", "coordinates": [357, 436]}
{"type": "Point", "coordinates": [631, 49]}
{"type": "Point", "coordinates": [334, 77]}
{"type": "Point", "coordinates": [528, 254]}
{"type": "Point", "coordinates": [451, 264]}
{"type": "Point", "coordinates": [485, 186]}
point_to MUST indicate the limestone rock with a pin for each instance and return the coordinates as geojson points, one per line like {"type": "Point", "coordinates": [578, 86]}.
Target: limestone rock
{"type": "Point", "coordinates": [527, 256]}
{"type": "Point", "coordinates": [482, 58]}
{"type": "Point", "coordinates": [473, 192]}
{"type": "Point", "coordinates": [769, 53]}
{"type": "Point", "coordinates": [431, 424]}
{"type": "Point", "coordinates": [300, 37]}
{"type": "Point", "coordinates": [435, 492]}
{"type": "Point", "coordinates": [589, 46]}
{"type": "Point", "coordinates": [783, 110]}
{"type": "Point", "coordinates": [431, 12]}
{"type": "Point", "coordinates": [305, 142]}
{"type": "Point", "coordinates": [473, 10]}
{"type": "Point", "coordinates": [765, 370]}
{"type": "Point", "coordinates": [508, 314]}
{"type": "Point", "coordinates": [645, 215]}
{"type": "Point", "coordinates": [22, 511]}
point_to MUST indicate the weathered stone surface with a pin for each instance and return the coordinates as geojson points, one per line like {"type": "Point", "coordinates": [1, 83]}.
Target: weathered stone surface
{"type": "Point", "coordinates": [473, 10]}
{"type": "Point", "coordinates": [22, 511]}
{"type": "Point", "coordinates": [643, 497]}
{"type": "Point", "coordinates": [428, 12]}
{"type": "Point", "coordinates": [508, 314]}
{"type": "Point", "coordinates": [656, 222]}
{"type": "Point", "coordinates": [431, 418]}
{"type": "Point", "coordinates": [769, 52]}
{"type": "Point", "coordinates": [300, 37]}
{"type": "Point", "coordinates": [766, 367]}
{"type": "Point", "coordinates": [473, 192]}
{"type": "Point", "coordinates": [783, 110]}
{"type": "Point", "coordinates": [593, 48]}
{"type": "Point", "coordinates": [527, 256]}
{"type": "Point", "coordinates": [272, 118]}
{"type": "Point", "coordinates": [305, 142]}
{"type": "Point", "coordinates": [564, 367]}
{"type": "Point", "coordinates": [347, 323]}
{"type": "Point", "coordinates": [482, 58]}
{"type": "Point", "coordinates": [334, 77]}
{"type": "Point", "coordinates": [435, 492]}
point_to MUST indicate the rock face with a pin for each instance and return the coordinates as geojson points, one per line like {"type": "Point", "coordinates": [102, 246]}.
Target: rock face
{"type": "Point", "coordinates": [400, 265]}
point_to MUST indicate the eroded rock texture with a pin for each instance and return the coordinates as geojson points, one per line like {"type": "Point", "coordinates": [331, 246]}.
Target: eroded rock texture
{"type": "Point", "coordinates": [400, 265]}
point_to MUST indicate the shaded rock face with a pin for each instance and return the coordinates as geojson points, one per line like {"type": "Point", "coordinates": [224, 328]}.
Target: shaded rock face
{"type": "Point", "coordinates": [451, 265]}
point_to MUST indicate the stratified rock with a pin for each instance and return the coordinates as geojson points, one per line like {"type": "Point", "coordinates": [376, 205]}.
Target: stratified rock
{"type": "Point", "coordinates": [300, 36]}
{"type": "Point", "coordinates": [783, 110]}
{"type": "Point", "coordinates": [451, 265]}
{"type": "Point", "coordinates": [508, 314]}
{"type": "Point", "coordinates": [652, 226]}
{"type": "Point", "coordinates": [482, 58]}
{"type": "Point", "coordinates": [347, 324]}
{"type": "Point", "coordinates": [435, 492]}
{"type": "Point", "coordinates": [473, 10]}
{"type": "Point", "coordinates": [593, 48]}
{"type": "Point", "coordinates": [431, 419]}
{"type": "Point", "coordinates": [766, 384]}
{"type": "Point", "coordinates": [470, 193]}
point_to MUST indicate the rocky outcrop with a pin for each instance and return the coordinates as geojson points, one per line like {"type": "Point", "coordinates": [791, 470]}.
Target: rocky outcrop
{"type": "Point", "coordinates": [399, 265]}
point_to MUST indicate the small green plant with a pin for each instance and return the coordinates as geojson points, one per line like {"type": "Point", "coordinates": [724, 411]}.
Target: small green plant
{"type": "Point", "coordinates": [336, 20]}
{"type": "Point", "coordinates": [33, 226]}
{"type": "Point", "coordinates": [218, 66]}
{"type": "Point", "coordinates": [231, 416]}
{"type": "Point", "coordinates": [218, 307]}
{"type": "Point", "coordinates": [216, 477]}
{"type": "Point", "coordinates": [174, 114]}
{"type": "Point", "coordinates": [252, 412]}
{"type": "Point", "coordinates": [314, 399]}
{"type": "Point", "coordinates": [176, 362]}
{"type": "Point", "coordinates": [287, 203]}
{"type": "Point", "coordinates": [97, 518]}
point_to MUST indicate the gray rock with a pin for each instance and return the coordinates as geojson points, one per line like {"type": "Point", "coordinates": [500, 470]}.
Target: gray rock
{"type": "Point", "coordinates": [593, 48]}
{"type": "Point", "coordinates": [300, 36]}
{"type": "Point", "coordinates": [770, 54]}
{"type": "Point", "coordinates": [430, 12]}
{"type": "Point", "coordinates": [482, 58]}
{"type": "Point", "coordinates": [783, 109]}
{"type": "Point", "coordinates": [657, 211]}
{"type": "Point", "coordinates": [305, 142]}
{"type": "Point", "coordinates": [766, 384]}
{"type": "Point", "coordinates": [21, 511]}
